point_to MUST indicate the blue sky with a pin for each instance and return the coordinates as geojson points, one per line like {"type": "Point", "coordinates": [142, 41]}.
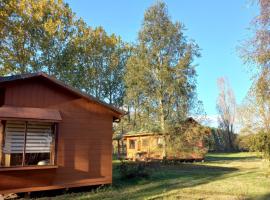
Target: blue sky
{"type": "Point", "coordinates": [218, 26]}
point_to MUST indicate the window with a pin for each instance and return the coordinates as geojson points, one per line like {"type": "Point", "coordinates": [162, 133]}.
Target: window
{"type": "Point", "coordinates": [160, 142]}
{"type": "Point", "coordinates": [145, 142]}
{"type": "Point", "coordinates": [2, 96]}
{"type": "Point", "coordinates": [27, 143]}
{"type": "Point", "coordinates": [132, 144]}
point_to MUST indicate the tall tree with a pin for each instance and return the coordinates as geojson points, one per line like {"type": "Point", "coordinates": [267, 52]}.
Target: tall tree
{"type": "Point", "coordinates": [226, 107]}
{"type": "Point", "coordinates": [45, 35]}
{"type": "Point", "coordinates": [256, 50]}
{"type": "Point", "coordinates": [255, 111]}
{"type": "Point", "coordinates": [160, 77]}
{"type": "Point", "coordinates": [33, 34]}
{"type": "Point", "coordinates": [97, 64]}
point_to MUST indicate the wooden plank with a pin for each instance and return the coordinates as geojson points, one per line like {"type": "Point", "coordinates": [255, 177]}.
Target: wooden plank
{"type": "Point", "coordinates": [25, 168]}
{"type": "Point", "coordinates": [89, 182]}
{"type": "Point", "coordinates": [29, 113]}
{"type": "Point", "coordinates": [7, 160]}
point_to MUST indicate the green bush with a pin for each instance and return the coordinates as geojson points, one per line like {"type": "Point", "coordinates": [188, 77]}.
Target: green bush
{"type": "Point", "coordinates": [259, 142]}
{"type": "Point", "coordinates": [133, 170]}
{"type": "Point", "coordinates": [245, 142]}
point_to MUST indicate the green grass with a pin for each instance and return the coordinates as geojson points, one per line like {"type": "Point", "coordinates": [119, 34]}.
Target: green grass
{"type": "Point", "coordinates": [221, 176]}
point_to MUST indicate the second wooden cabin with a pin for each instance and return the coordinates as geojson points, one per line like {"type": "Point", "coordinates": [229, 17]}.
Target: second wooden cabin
{"type": "Point", "coordinates": [151, 146]}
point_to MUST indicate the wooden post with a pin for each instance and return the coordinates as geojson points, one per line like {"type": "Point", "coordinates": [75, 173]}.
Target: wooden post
{"type": "Point", "coordinates": [2, 157]}
{"type": "Point", "coordinates": [118, 149]}
{"type": "Point", "coordinates": [53, 145]}
{"type": "Point", "coordinates": [122, 147]}
{"type": "Point", "coordinates": [7, 160]}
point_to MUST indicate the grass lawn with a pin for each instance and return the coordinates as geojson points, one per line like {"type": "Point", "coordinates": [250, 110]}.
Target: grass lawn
{"type": "Point", "coordinates": [221, 176]}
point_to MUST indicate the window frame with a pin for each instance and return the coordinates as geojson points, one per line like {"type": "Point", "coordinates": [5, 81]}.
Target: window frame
{"type": "Point", "coordinates": [53, 150]}
{"type": "Point", "coordinates": [133, 140]}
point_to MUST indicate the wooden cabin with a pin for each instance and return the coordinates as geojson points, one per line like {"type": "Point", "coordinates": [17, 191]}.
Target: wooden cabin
{"type": "Point", "coordinates": [152, 146]}
{"type": "Point", "coordinates": [144, 146]}
{"type": "Point", "coordinates": [52, 136]}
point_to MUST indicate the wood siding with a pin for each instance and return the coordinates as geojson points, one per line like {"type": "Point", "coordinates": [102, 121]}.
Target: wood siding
{"type": "Point", "coordinates": [151, 150]}
{"type": "Point", "coordinates": [84, 150]}
{"type": "Point", "coordinates": [154, 149]}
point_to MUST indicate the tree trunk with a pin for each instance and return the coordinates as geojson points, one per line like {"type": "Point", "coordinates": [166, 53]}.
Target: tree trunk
{"type": "Point", "coordinates": [162, 116]}
{"type": "Point", "coordinates": [230, 140]}
{"type": "Point", "coordinates": [162, 126]}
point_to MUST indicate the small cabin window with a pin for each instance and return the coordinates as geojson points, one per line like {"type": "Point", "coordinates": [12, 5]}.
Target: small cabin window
{"type": "Point", "coordinates": [28, 144]}
{"type": "Point", "coordinates": [160, 142]}
{"type": "Point", "coordinates": [2, 96]}
{"type": "Point", "coordinates": [145, 142]}
{"type": "Point", "coordinates": [132, 144]}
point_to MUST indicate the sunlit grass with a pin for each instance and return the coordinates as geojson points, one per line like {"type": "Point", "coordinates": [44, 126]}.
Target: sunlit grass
{"type": "Point", "coordinates": [221, 176]}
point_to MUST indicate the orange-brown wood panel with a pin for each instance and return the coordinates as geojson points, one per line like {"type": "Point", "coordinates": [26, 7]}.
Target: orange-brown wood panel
{"type": "Point", "coordinates": [84, 152]}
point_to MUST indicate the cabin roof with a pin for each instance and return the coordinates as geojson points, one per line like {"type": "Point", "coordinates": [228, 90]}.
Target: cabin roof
{"type": "Point", "coordinates": [5, 79]}
{"type": "Point", "coordinates": [132, 134]}
{"type": "Point", "coordinates": [188, 120]}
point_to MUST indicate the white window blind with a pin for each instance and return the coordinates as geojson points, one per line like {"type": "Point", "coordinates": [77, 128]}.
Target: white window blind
{"type": "Point", "coordinates": [38, 137]}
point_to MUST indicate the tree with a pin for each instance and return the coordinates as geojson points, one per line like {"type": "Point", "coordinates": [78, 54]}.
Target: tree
{"type": "Point", "coordinates": [98, 64]}
{"type": "Point", "coordinates": [226, 107]}
{"type": "Point", "coordinates": [46, 36]}
{"type": "Point", "coordinates": [160, 77]}
{"type": "Point", "coordinates": [257, 49]}
{"type": "Point", "coordinates": [188, 138]}
{"type": "Point", "coordinates": [33, 34]}
{"type": "Point", "coordinates": [255, 115]}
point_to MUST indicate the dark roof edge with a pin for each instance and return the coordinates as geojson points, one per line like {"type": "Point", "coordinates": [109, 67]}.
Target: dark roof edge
{"type": "Point", "coordinates": [63, 85]}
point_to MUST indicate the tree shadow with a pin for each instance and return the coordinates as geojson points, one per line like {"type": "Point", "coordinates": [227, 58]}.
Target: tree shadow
{"type": "Point", "coordinates": [222, 158]}
{"type": "Point", "coordinates": [165, 178]}
{"type": "Point", "coordinates": [262, 197]}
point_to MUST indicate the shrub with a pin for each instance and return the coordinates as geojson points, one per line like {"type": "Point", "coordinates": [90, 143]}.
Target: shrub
{"type": "Point", "coordinates": [259, 142]}
{"type": "Point", "coordinates": [133, 170]}
{"type": "Point", "coordinates": [245, 142]}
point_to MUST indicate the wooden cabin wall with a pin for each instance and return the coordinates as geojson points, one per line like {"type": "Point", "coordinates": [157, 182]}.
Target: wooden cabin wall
{"type": "Point", "coordinates": [152, 151]}
{"type": "Point", "coordinates": [84, 148]}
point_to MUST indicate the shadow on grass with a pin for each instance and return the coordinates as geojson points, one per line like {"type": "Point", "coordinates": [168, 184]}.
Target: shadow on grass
{"type": "Point", "coordinates": [169, 177]}
{"type": "Point", "coordinates": [263, 197]}
{"type": "Point", "coordinates": [221, 158]}
{"type": "Point", "coordinates": [163, 178]}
